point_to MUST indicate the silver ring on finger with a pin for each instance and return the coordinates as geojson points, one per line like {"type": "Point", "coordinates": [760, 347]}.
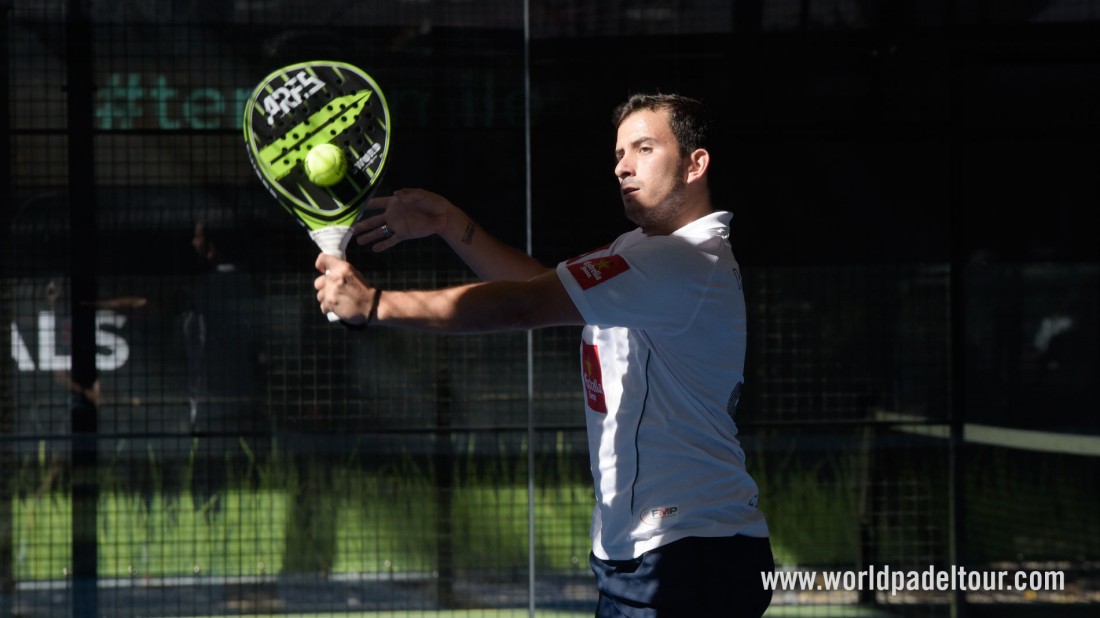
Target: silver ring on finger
{"type": "Point", "coordinates": [386, 231]}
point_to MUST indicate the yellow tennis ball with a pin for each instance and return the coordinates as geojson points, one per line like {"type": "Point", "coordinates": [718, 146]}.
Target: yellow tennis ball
{"type": "Point", "coordinates": [325, 165]}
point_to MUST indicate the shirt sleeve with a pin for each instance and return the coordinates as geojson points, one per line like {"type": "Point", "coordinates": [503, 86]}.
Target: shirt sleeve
{"type": "Point", "coordinates": [656, 283]}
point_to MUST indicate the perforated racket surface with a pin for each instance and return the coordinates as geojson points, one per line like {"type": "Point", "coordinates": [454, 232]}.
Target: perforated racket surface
{"type": "Point", "coordinates": [301, 106]}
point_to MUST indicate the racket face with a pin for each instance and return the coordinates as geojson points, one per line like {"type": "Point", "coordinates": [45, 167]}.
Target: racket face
{"type": "Point", "coordinates": [302, 106]}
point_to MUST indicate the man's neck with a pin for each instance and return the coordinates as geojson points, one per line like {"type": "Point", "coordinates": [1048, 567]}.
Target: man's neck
{"type": "Point", "coordinates": [687, 215]}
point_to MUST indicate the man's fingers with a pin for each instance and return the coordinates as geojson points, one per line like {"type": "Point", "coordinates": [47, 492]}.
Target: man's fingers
{"type": "Point", "coordinates": [324, 262]}
{"type": "Point", "coordinates": [384, 244]}
{"type": "Point", "coordinates": [382, 233]}
{"type": "Point", "coordinates": [367, 224]}
{"type": "Point", "coordinates": [332, 266]}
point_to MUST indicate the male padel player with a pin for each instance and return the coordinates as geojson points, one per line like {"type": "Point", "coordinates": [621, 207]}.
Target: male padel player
{"type": "Point", "coordinates": [675, 529]}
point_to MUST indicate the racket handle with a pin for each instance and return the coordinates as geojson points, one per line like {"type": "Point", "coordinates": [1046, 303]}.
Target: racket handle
{"type": "Point", "coordinates": [333, 318]}
{"type": "Point", "coordinates": [332, 240]}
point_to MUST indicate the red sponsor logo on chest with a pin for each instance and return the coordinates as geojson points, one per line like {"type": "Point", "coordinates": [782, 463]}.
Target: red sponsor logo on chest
{"type": "Point", "coordinates": [593, 378]}
{"type": "Point", "coordinates": [594, 271]}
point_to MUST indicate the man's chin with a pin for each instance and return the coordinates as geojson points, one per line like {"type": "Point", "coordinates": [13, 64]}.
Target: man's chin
{"type": "Point", "coordinates": [634, 211]}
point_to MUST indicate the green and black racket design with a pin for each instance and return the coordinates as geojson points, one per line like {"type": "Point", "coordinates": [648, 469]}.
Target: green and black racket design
{"type": "Point", "coordinates": [300, 107]}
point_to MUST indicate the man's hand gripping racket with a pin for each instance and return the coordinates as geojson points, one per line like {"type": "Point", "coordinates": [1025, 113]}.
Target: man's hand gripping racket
{"type": "Point", "coordinates": [318, 136]}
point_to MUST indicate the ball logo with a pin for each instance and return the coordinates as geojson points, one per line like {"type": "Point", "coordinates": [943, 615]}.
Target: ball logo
{"type": "Point", "coordinates": [657, 515]}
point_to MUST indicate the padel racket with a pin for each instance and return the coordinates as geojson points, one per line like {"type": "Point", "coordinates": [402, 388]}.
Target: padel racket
{"type": "Point", "coordinates": [300, 107]}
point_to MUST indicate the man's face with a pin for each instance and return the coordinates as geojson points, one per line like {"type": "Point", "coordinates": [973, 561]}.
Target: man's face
{"type": "Point", "coordinates": [650, 170]}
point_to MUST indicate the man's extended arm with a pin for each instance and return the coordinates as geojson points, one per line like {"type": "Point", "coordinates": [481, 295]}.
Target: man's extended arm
{"type": "Point", "coordinates": [415, 213]}
{"type": "Point", "coordinates": [473, 308]}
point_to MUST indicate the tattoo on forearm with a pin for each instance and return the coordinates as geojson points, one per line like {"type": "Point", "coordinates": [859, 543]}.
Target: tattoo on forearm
{"type": "Point", "coordinates": [468, 237]}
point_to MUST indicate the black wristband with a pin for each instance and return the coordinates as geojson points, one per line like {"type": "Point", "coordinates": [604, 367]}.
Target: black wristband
{"type": "Point", "coordinates": [374, 306]}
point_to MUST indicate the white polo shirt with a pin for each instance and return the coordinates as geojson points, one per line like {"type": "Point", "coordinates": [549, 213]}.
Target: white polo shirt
{"type": "Point", "coordinates": [662, 362]}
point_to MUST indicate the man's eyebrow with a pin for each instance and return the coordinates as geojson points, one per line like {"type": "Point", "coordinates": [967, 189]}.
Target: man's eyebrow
{"type": "Point", "coordinates": [638, 142]}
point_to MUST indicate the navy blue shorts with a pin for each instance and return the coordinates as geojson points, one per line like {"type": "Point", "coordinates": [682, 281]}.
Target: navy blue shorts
{"type": "Point", "coordinates": [693, 577]}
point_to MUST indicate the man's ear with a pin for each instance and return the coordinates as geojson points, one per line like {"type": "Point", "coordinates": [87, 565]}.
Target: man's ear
{"type": "Point", "coordinates": [697, 164]}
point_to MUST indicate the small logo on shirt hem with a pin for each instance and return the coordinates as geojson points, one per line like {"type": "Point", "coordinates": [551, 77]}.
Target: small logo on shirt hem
{"type": "Point", "coordinates": [655, 516]}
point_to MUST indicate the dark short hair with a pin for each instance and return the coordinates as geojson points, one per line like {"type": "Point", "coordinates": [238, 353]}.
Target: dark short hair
{"type": "Point", "coordinates": [688, 118]}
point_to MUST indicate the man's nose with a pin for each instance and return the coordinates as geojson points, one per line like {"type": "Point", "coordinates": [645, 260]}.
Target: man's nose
{"type": "Point", "coordinates": [622, 170]}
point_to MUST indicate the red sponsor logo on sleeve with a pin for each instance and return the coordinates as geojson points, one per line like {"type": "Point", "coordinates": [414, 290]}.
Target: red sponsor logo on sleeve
{"type": "Point", "coordinates": [594, 271]}
{"type": "Point", "coordinates": [590, 253]}
{"type": "Point", "coordinates": [593, 378]}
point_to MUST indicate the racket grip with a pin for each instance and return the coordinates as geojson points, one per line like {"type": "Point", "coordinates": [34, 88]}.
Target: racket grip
{"type": "Point", "coordinates": [332, 240]}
